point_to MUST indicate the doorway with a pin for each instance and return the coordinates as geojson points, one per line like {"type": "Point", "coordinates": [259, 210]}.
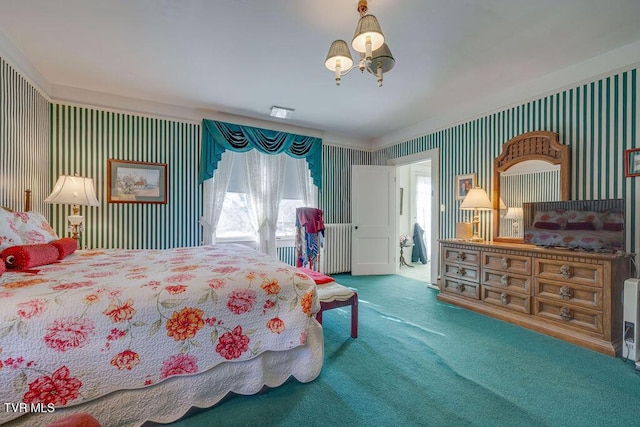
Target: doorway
{"type": "Point", "coordinates": [418, 186]}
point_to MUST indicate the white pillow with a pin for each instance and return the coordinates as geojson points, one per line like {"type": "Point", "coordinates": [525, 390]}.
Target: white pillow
{"type": "Point", "coordinates": [8, 233]}
{"type": "Point", "coordinates": [33, 228]}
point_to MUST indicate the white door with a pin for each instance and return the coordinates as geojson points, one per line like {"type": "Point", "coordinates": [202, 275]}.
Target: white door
{"type": "Point", "coordinates": [373, 219]}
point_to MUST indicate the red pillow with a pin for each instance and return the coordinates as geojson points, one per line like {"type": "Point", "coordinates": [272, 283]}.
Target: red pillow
{"type": "Point", "coordinates": [23, 257]}
{"type": "Point", "coordinates": [547, 225]}
{"type": "Point", "coordinates": [2, 267]}
{"type": "Point", "coordinates": [65, 246]}
{"type": "Point", "coordinates": [581, 226]}
{"type": "Point", "coordinates": [318, 277]}
{"type": "Point", "coordinates": [613, 226]}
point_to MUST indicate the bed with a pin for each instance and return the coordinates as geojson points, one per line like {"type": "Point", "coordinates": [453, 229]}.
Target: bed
{"type": "Point", "coordinates": [131, 336]}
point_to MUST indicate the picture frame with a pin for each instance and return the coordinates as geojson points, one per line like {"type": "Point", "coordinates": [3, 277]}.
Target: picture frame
{"type": "Point", "coordinates": [136, 182]}
{"type": "Point", "coordinates": [464, 183]}
{"type": "Point", "coordinates": [632, 162]}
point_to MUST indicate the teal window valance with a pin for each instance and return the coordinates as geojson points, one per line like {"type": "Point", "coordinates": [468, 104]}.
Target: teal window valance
{"type": "Point", "coordinates": [220, 136]}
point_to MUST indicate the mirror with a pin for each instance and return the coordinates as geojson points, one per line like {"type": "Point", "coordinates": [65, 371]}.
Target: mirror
{"type": "Point", "coordinates": [533, 167]}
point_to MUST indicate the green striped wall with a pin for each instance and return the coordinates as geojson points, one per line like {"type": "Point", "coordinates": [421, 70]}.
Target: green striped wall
{"type": "Point", "coordinates": [598, 120]}
{"type": "Point", "coordinates": [24, 141]}
{"type": "Point", "coordinates": [336, 181]}
{"type": "Point", "coordinates": [82, 139]}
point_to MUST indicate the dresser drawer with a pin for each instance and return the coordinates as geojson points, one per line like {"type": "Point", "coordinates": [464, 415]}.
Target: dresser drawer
{"type": "Point", "coordinates": [461, 271]}
{"type": "Point", "coordinates": [570, 293]}
{"type": "Point", "coordinates": [505, 299]}
{"type": "Point", "coordinates": [568, 314]}
{"type": "Point", "coordinates": [463, 256]}
{"type": "Point", "coordinates": [571, 272]}
{"type": "Point", "coordinates": [510, 282]}
{"type": "Point", "coordinates": [510, 263]}
{"type": "Point", "coordinates": [460, 287]}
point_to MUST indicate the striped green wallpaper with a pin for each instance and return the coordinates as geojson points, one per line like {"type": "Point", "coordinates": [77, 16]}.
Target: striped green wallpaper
{"type": "Point", "coordinates": [24, 141]}
{"type": "Point", "coordinates": [39, 141]}
{"type": "Point", "coordinates": [82, 139]}
{"type": "Point", "coordinates": [598, 120]}
{"type": "Point", "coordinates": [336, 181]}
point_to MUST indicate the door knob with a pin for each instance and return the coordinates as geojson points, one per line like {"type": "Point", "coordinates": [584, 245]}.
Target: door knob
{"type": "Point", "coordinates": [356, 227]}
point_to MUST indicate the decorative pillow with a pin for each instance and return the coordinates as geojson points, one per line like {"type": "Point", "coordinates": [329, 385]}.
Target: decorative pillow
{"type": "Point", "coordinates": [8, 232]}
{"type": "Point", "coordinates": [547, 225]}
{"type": "Point", "coordinates": [582, 217]}
{"type": "Point", "coordinates": [24, 257]}
{"type": "Point", "coordinates": [33, 228]}
{"type": "Point", "coordinates": [2, 267]}
{"type": "Point", "coordinates": [65, 246]}
{"type": "Point", "coordinates": [613, 221]}
{"type": "Point", "coordinates": [318, 277]}
{"type": "Point", "coordinates": [557, 217]}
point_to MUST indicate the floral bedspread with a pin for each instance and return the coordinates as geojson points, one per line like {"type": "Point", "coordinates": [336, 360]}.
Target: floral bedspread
{"type": "Point", "coordinates": [106, 320]}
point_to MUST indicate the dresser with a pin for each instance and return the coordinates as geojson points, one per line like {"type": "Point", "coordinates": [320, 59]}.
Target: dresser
{"type": "Point", "coordinates": [571, 295]}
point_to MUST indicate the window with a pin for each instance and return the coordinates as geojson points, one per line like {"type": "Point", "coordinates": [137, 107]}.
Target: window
{"type": "Point", "coordinates": [287, 217]}
{"type": "Point", "coordinates": [235, 223]}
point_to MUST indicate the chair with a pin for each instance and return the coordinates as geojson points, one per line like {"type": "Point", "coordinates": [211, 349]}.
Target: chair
{"type": "Point", "coordinates": [309, 228]}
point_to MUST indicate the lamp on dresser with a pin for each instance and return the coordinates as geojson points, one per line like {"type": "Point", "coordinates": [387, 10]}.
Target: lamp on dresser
{"type": "Point", "coordinates": [76, 191]}
{"type": "Point", "coordinates": [476, 200]}
{"type": "Point", "coordinates": [516, 215]}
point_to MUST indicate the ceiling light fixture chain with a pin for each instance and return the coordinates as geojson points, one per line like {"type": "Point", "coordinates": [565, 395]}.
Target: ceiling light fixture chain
{"type": "Point", "coordinates": [369, 41]}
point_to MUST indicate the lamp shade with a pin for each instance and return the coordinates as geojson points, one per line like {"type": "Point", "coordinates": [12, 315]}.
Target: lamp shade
{"type": "Point", "coordinates": [339, 53]}
{"type": "Point", "coordinates": [368, 26]}
{"type": "Point", "coordinates": [73, 190]}
{"type": "Point", "coordinates": [476, 198]}
{"type": "Point", "coordinates": [514, 213]}
{"type": "Point", "coordinates": [381, 58]}
{"type": "Point", "coordinates": [502, 205]}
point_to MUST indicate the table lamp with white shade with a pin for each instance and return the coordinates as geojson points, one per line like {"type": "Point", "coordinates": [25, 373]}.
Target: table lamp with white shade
{"type": "Point", "coordinates": [516, 215]}
{"type": "Point", "coordinates": [476, 200]}
{"type": "Point", "coordinates": [76, 191]}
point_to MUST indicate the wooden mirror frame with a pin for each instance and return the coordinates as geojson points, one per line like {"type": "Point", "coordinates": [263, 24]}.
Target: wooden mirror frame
{"type": "Point", "coordinates": [538, 145]}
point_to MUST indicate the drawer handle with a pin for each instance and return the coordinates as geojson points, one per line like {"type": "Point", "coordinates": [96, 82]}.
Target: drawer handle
{"type": "Point", "coordinates": [504, 299]}
{"type": "Point", "coordinates": [461, 256]}
{"type": "Point", "coordinates": [565, 314]}
{"type": "Point", "coordinates": [565, 271]}
{"type": "Point", "coordinates": [504, 262]}
{"type": "Point", "coordinates": [460, 287]}
{"type": "Point", "coordinates": [461, 271]}
{"type": "Point", "coordinates": [565, 292]}
{"type": "Point", "coordinates": [504, 280]}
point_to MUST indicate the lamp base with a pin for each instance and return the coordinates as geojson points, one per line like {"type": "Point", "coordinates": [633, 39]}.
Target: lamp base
{"type": "Point", "coordinates": [476, 238]}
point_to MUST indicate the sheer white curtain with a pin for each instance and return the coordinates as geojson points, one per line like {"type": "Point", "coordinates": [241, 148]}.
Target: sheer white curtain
{"type": "Point", "coordinates": [308, 190]}
{"type": "Point", "coordinates": [265, 182]}
{"type": "Point", "coordinates": [214, 191]}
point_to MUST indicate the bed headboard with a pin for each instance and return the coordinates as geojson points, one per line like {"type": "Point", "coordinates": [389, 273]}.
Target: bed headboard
{"type": "Point", "coordinates": [26, 205]}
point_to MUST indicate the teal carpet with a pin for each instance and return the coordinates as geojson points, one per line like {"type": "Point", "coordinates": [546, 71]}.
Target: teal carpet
{"type": "Point", "coordinates": [418, 362]}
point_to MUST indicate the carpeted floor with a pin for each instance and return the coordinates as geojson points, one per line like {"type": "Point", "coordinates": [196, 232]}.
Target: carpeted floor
{"type": "Point", "coordinates": [418, 361]}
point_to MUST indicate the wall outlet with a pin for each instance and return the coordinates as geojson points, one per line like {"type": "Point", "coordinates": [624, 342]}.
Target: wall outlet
{"type": "Point", "coordinates": [441, 208]}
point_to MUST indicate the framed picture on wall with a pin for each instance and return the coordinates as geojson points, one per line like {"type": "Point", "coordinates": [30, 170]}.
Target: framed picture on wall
{"type": "Point", "coordinates": [136, 182]}
{"type": "Point", "coordinates": [463, 184]}
{"type": "Point", "coordinates": [632, 162]}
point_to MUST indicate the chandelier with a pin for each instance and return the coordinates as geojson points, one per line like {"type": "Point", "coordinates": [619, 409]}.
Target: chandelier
{"type": "Point", "coordinates": [368, 41]}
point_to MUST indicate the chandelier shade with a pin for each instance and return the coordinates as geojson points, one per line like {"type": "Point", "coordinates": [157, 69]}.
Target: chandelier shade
{"type": "Point", "coordinates": [339, 55]}
{"type": "Point", "coordinates": [381, 59]}
{"type": "Point", "coordinates": [367, 30]}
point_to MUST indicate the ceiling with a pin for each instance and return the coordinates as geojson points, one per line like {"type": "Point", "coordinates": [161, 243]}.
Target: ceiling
{"type": "Point", "coordinates": [241, 57]}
